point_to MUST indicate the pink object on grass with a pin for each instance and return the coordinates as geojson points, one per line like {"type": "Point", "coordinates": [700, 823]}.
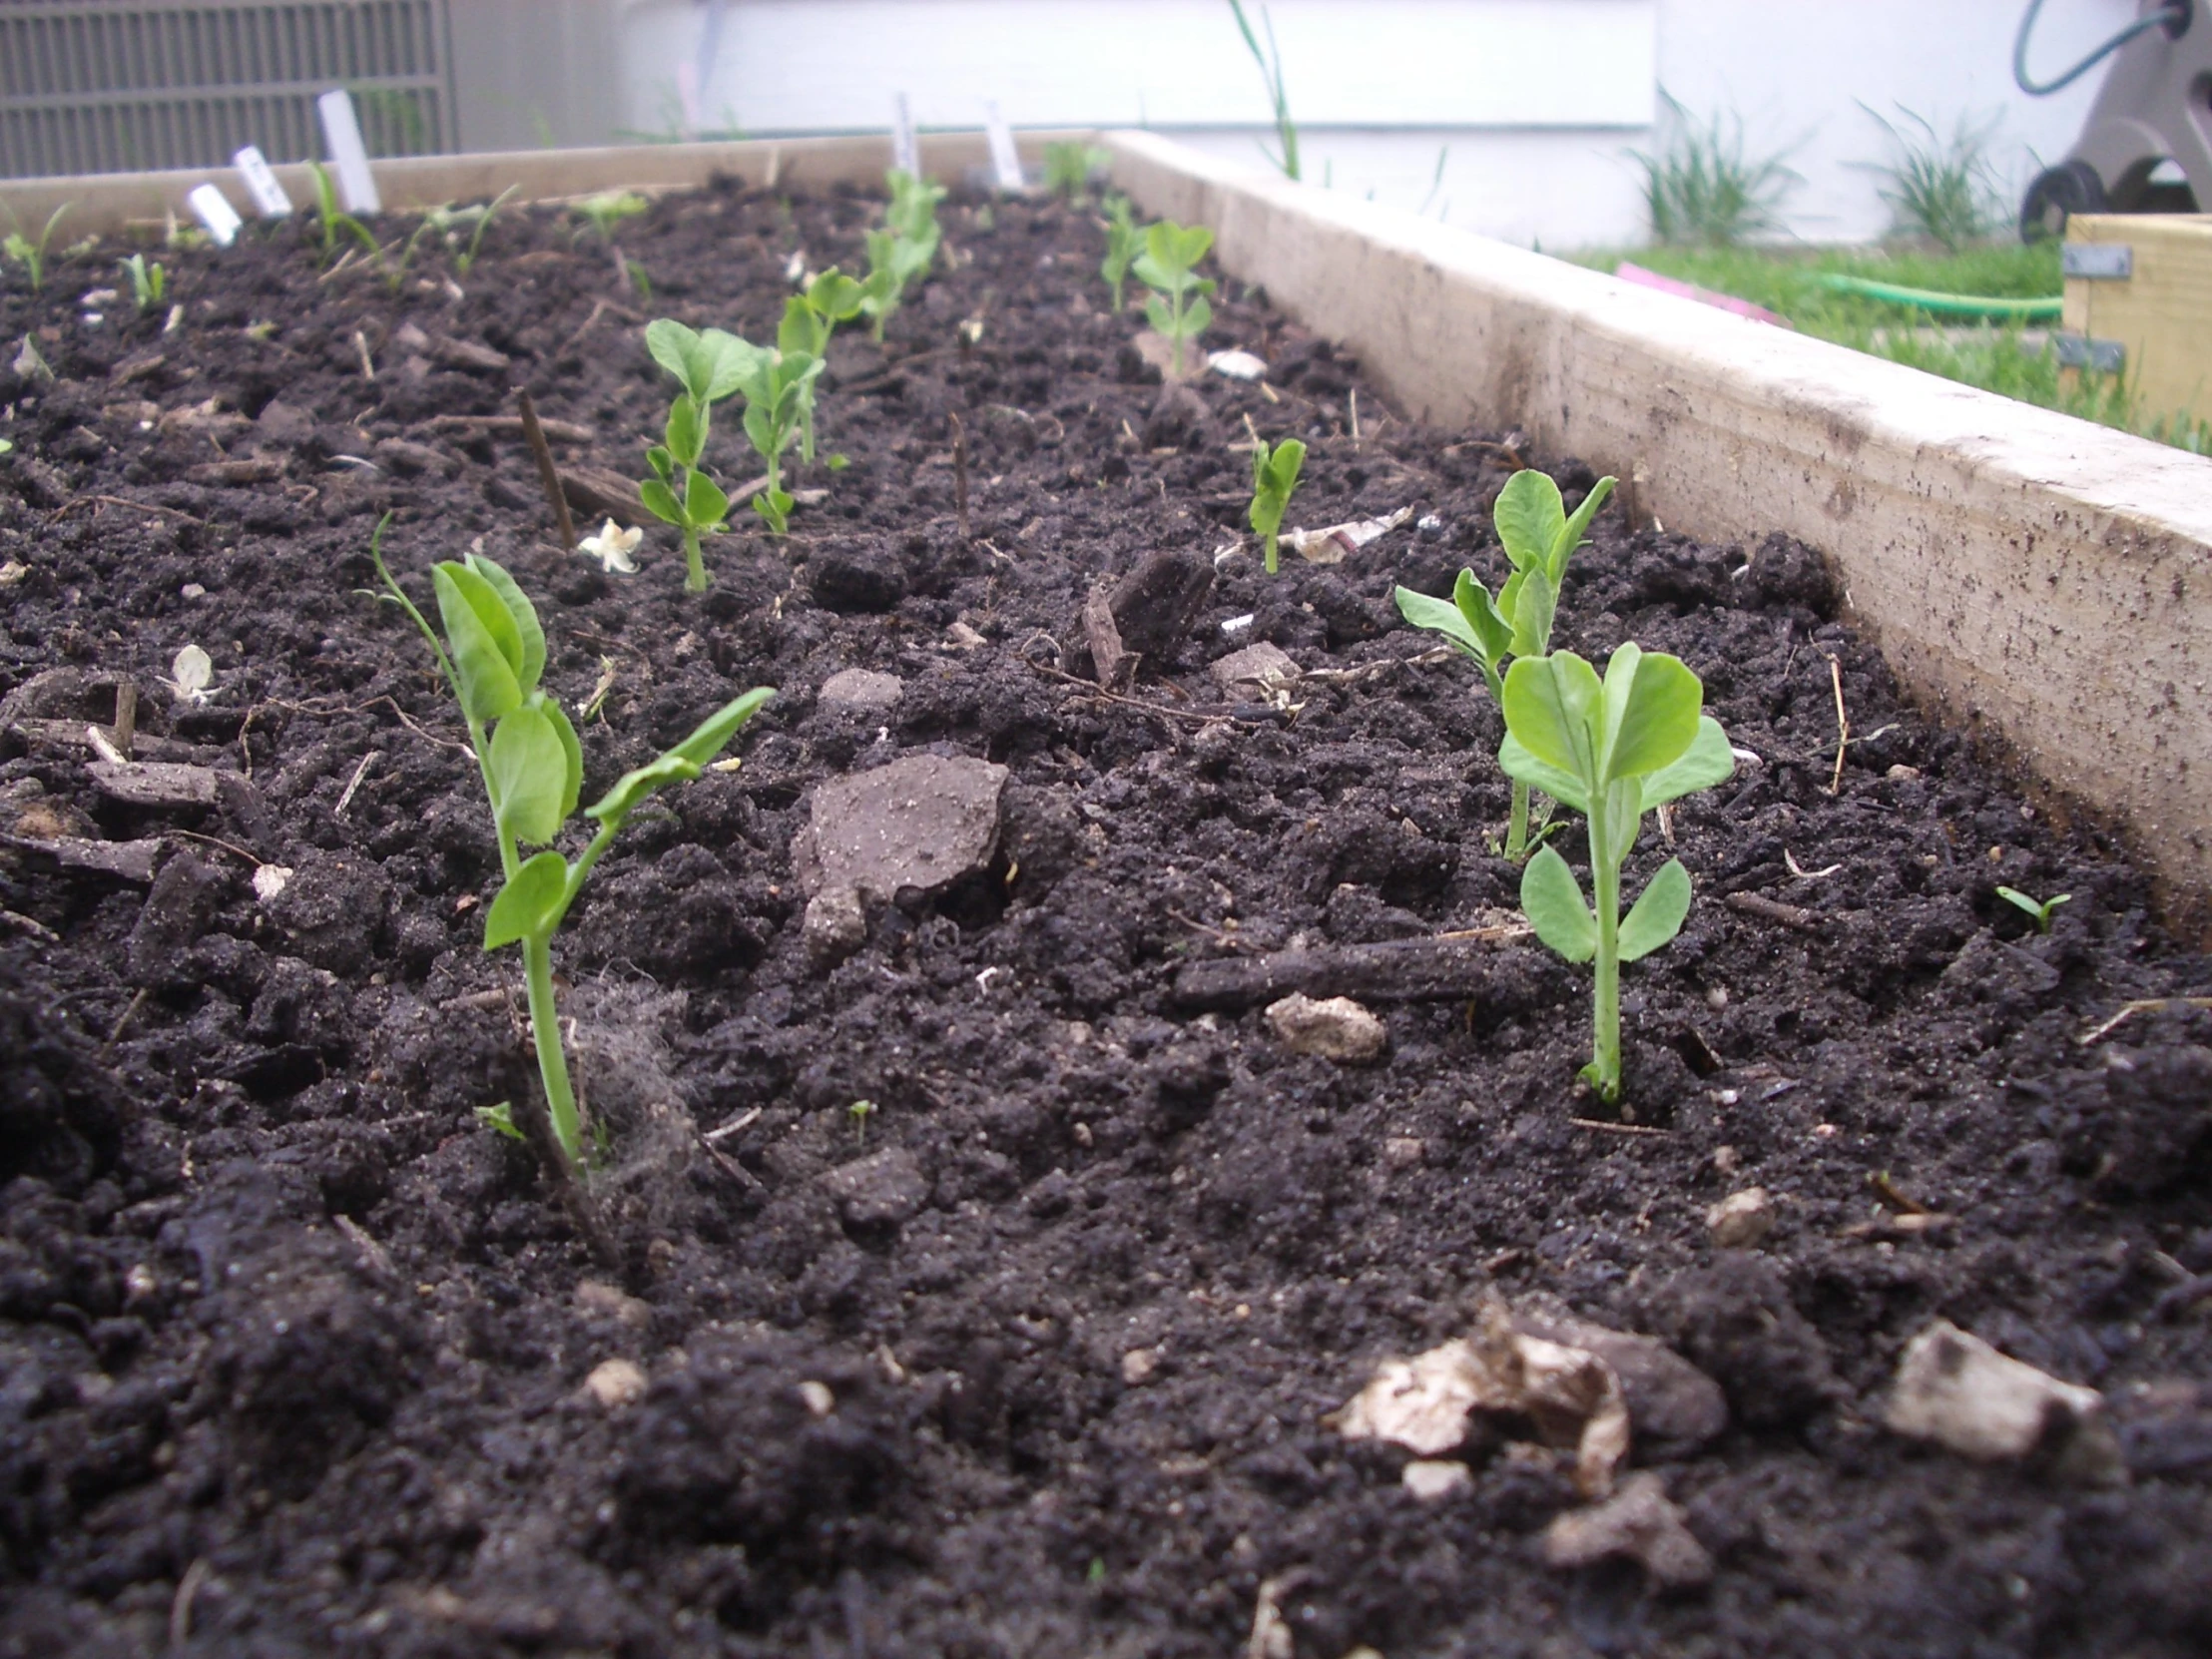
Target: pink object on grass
{"type": "Point", "coordinates": [1705, 297]}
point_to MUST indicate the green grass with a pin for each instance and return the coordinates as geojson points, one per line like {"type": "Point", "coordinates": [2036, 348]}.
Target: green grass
{"type": "Point", "coordinates": [1786, 282]}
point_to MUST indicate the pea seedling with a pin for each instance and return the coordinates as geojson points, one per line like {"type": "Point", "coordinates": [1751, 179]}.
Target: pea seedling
{"type": "Point", "coordinates": [1124, 242]}
{"type": "Point", "coordinates": [1611, 751]}
{"type": "Point", "coordinates": [31, 256]}
{"type": "Point", "coordinates": [1539, 538]}
{"type": "Point", "coordinates": [492, 657]}
{"type": "Point", "coordinates": [809, 318]}
{"type": "Point", "coordinates": [609, 209]}
{"type": "Point", "coordinates": [778, 387]}
{"type": "Point", "coordinates": [1070, 167]}
{"type": "Point", "coordinates": [901, 251]}
{"type": "Point", "coordinates": [2043, 910]}
{"type": "Point", "coordinates": [1274, 476]}
{"type": "Point", "coordinates": [709, 367]}
{"type": "Point", "coordinates": [149, 282]}
{"type": "Point", "coordinates": [1178, 307]}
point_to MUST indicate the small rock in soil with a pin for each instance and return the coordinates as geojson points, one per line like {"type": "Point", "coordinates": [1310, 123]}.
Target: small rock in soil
{"type": "Point", "coordinates": [1955, 1390]}
{"type": "Point", "coordinates": [1334, 1027]}
{"type": "Point", "coordinates": [913, 826]}
{"type": "Point", "coordinates": [884, 1189]}
{"type": "Point", "coordinates": [1787, 572]}
{"type": "Point", "coordinates": [1157, 603]}
{"type": "Point", "coordinates": [124, 860]}
{"type": "Point", "coordinates": [1670, 1401]}
{"type": "Point", "coordinates": [336, 912]}
{"type": "Point", "coordinates": [595, 1296]}
{"type": "Point", "coordinates": [1430, 1479]}
{"type": "Point", "coordinates": [856, 580]}
{"type": "Point", "coordinates": [615, 1383]}
{"type": "Point", "coordinates": [1639, 1523]}
{"type": "Point", "coordinates": [155, 785]}
{"type": "Point", "coordinates": [1742, 1219]}
{"type": "Point", "coordinates": [1255, 670]}
{"type": "Point", "coordinates": [860, 690]}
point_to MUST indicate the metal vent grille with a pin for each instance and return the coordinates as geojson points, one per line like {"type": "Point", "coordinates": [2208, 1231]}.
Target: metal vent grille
{"type": "Point", "coordinates": [105, 86]}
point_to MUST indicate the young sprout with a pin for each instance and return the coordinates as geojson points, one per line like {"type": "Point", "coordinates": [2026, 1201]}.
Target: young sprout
{"type": "Point", "coordinates": [810, 317]}
{"type": "Point", "coordinates": [779, 389]}
{"type": "Point", "coordinates": [2041, 908]}
{"type": "Point", "coordinates": [1539, 537]}
{"type": "Point", "coordinates": [451, 223]}
{"type": "Point", "coordinates": [149, 282]}
{"type": "Point", "coordinates": [1124, 242]}
{"type": "Point", "coordinates": [1611, 751]}
{"type": "Point", "coordinates": [1070, 167]}
{"type": "Point", "coordinates": [709, 367]}
{"type": "Point", "coordinates": [492, 657]}
{"type": "Point", "coordinates": [609, 209]}
{"type": "Point", "coordinates": [1178, 306]}
{"type": "Point", "coordinates": [901, 251]}
{"type": "Point", "coordinates": [1274, 476]}
{"type": "Point", "coordinates": [860, 1112]}
{"type": "Point", "coordinates": [31, 256]}
{"type": "Point", "coordinates": [335, 222]}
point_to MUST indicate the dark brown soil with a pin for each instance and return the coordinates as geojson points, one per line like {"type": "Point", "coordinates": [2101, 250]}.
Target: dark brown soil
{"type": "Point", "coordinates": [295, 1348]}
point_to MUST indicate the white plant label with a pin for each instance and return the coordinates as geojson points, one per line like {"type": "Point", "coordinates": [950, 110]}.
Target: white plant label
{"type": "Point", "coordinates": [1005, 159]}
{"type": "Point", "coordinates": [341, 136]}
{"type": "Point", "coordinates": [905, 150]}
{"type": "Point", "coordinates": [213, 209]}
{"type": "Point", "coordinates": [261, 183]}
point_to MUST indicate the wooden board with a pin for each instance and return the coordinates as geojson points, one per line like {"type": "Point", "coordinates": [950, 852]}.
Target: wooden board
{"type": "Point", "coordinates": [2161, 313]}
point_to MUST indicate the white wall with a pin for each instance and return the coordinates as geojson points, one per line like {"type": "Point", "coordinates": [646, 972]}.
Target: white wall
{"type": "Point", "coordinates": [1533, 105]}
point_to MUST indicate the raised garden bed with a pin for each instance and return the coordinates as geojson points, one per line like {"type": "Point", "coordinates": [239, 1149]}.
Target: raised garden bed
{"type": "Point", "coordinates": [1034, 1357]}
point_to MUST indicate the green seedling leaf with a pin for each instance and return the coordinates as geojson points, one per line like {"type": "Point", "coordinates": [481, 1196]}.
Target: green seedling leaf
{"type": "Point", "coordinates": [501, 1120]}
{"type": "Point", "coordinates": [1658, 914]}
{"type": "Point", "coordinates": [531, 663]}
{"type": "Point", "coordinates": [661, 501]}
{"type": "Point", "coordinates": [530, 906]}
{"type": "Point", "coordinates": [615, 806]}
{"type": "Point", "coordinates": [683, 354]}
{"type": "Point", "coordinates": [1707, 761]}
{"type": "Point", "coordinates": [714, 732]}
{"type": "Point", "coordinates": [661, 462]}
{"type": "Point", "coordinates": [1572, 533]}
{"type": "Point", "coordinates": [1123, 242]}
{"type": "Point", "coordinates": [572, 754]}
{"type": "Point", "coordinates": [775, 507]}
{"type": "Point", "coordinates": [1549, 704]}
{"type": "Point", "coordinates": [1650, 712]}
{"type": "Point", "coordinates": [1274, 476]}
{"type": "Point", "coordinates": [528, 772]}
{"type": "Point", "coordinates": [2043, 910]}
{"type": "Point", "coordinates": [705, 503]}
{"type": "Point", "coordinates": [1534, 602]}
{"type": "Point", "coordinates": [1485, 621]}
{"type": "Point", "coordinates": [1442, 616]}
{"type": "Point", "coordinates": [1514, 760]}
{"type": "Point", "coordinates": [1529, 517]}
{"type": "Point", "coordinates": [483, 666]}
{"type": "Point", "coordinates": [685, 436]}
{"type": "Point", "coordinates": [1552, 898]}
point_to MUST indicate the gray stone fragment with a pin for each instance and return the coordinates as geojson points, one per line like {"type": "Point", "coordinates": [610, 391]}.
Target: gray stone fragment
{"type": "Point", "coordinates": [1334, 1027]}
{"type": "Point", "coordinates": [1957, 1390]}
{"type": "Point", "coordinates": [155, 783]}
{"type": "Point", "coordinates": [1638, 1522]}
{"type": "Point", "coordinates": [124, 860]}
{"type": "Point", "coordinates": [1670, 1401]}
{"type": "Point", "coordinates": [1253, 669]}
{"type": "Point", "coordinates": [860, 690]}
{"type": "Point", "coordinates": [884, 1189]}
{"type": "Point", "coordinates": [913, 826]}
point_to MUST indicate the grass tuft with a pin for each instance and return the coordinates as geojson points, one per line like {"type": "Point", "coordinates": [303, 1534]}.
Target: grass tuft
{"type": "Point", "coordinates": [1700, 188]}
{"type": "Point", "coordinates": [1940, 189]}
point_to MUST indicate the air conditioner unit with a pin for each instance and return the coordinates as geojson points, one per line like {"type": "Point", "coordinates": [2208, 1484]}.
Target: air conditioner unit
{"type": "Point", "coordinates": [107, 86]}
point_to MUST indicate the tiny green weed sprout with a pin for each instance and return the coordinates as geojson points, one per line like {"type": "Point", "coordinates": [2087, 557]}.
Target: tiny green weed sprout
{"type": "Point", "coordinates": [1271, 74]}
{"type": "Point", "coordinates": [449, 221]}
{"type": "Point", "coordinates": [603, 212]}
{"type": "Point", "coordinates": [492, 656]}
{"type": "Point", "coordinates": [31, 256]}
{"type": "Point", "coordinates": [860, 1112]}
{"type": "Point", "coordinates": [335, 221]}
{"type": "Point", "coordinates": [2041, 910]}
{"type": "Point", "coordinates": [809, 318]}
{"type": "Point", "coordinates": [1124, 242]}
{"type": "Point", "coordinates": [1612, 751]}
{"type": "Point", "coordinates": [707, 367]}
{"type": "Point", "coordinates": [1178, 307]}
{"type": "Point", "coordinates": [1274, 476]}
{"type": "Point", "coordinates": [1539, 538]}
{"type": "Point", "coordinates": [779, 390]}
{"type": "Point", "coordinates": [1070, 167]}
{"type": "Point", "coordinates": [149, 282]}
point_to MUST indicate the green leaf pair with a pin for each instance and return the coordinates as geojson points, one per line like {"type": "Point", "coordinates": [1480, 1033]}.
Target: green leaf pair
{"type": "Point", "coordinates": [709, 364]}
{"type": "Point", "coordinates": [1178, 306]}
{"type": "Point", "coordinates": [1539, 537]}
{"type": "Point", "coordinates": [1124, 242]}
{"type": "Point", "coordinates": [901, 251]}
{"type": "Point", "coordinates": [1611, 750]}
{"type": "Point", "coordinates": [1274, 476]}
{"type": "Point", "coordinates": [1070, 167]}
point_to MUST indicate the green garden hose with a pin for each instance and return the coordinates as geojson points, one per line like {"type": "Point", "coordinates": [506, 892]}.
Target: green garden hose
{"type": "Point", "coordinates": [1945, 304]}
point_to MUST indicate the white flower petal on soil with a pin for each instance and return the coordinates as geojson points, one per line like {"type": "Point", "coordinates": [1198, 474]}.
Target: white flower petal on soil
{"type": "Point", "coordinates": [1237, 366]}
{"type": "Point", "coordinates": [191, 673]}
{"type": "Point", "coordinates": [612, 547]}
{"type": "Point", "coordinates": [270, 881]}
{"type": "Point", "coordinates": [1329, 545]}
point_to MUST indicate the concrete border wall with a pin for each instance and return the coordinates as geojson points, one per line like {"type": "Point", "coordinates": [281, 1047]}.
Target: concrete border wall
{"type": "Point", "coordinates": [2043, 580]}
{"type": "Point", "coordinates": [2026, 573]}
